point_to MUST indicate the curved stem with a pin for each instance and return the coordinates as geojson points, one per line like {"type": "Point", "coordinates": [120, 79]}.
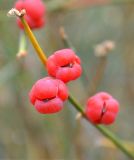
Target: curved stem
{"type": "Point", "coordinates": [77, 106]}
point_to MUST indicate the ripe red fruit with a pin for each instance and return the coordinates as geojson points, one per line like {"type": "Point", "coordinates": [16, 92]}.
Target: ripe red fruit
{"type": "Point", "coordinates": [64, 65]}
{"type": "Point", "coordinates": [48, 95]}
{"type": "Point", "coordinates": [35, 11]}
{"type": "Point", "coordinates": [102, 108]}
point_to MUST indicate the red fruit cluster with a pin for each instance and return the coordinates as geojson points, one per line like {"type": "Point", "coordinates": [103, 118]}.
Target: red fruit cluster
{"type": "Point", "coordinates": [35, 11]}
{"type": "Point", "coordinates": [102, 108]}
{"type": "Point", "coordinates": [64, 65]}
{"type": "Point", "coordinates": [48, 95]}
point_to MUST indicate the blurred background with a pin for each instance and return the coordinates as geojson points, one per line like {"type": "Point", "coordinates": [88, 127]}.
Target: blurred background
{"type": "Point", "coordinates": [28, 135]}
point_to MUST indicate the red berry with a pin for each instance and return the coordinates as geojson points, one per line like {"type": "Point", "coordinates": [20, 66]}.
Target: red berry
{"type": "Point", "coordinates": [35, 8]}
{"type": "Point", "coordinates": [64, 65]}
{"type": "Point", "coordinates": [19, 5]}
{"type": "Point", "coordinates": [48, 95]}
{"type": "Point", "coordinates": [29, 21]}
{"type": "Point", "coordinates": [102, 108]}
{"type": "Point", "coordinates": [35, 11]}
{"type": "Point", "coordinates": [40, 23]}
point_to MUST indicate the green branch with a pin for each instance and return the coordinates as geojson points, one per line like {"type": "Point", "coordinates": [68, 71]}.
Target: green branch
{"type": "Point", "coordinates": [107, 133]}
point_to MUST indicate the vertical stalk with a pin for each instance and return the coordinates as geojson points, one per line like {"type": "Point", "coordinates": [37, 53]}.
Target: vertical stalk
{"type": "Point", "coordinates": [98, 75]}
{"type": "Point", "coordinates": [22, 45]}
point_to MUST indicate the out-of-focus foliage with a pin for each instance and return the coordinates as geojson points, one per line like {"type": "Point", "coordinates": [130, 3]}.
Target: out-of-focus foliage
{"type": "Point", "coordinates": [25, 134]}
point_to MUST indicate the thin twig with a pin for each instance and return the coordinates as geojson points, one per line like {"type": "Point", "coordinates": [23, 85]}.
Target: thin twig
{"type": "Point", "coordinates": [69, 44]}
{"type": "Point", "coordinates": [98, 75]}
{"type": "Point", "coordinates": [100, 68]}
{"type": "Point", "coordinates": [93, 86]}
{"type": "Point", "coordinates": [33, 40]}
{"type": "Point", "coordinates": [78, 107]}
{"type": "Point", "coordinates": [103, 130]}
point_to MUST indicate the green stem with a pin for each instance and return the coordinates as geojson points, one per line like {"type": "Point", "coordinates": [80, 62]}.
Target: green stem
{"type": "Point", "coordinates": [103, 130]}
{"type": "Point", "coordinates": [94, 84]}
{"type": "Point", "coordinates": [22, 44]}
{"type": "Point", "coordinates": [78, 107]}
{"type": "Point", "coordinates": [75, 104]}
{"type": "Point", "coordinates": [115, 140]}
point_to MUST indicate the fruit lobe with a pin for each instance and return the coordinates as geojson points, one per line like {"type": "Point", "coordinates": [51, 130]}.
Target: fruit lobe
{"type": "Point", "coordinates": [64, 65]}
